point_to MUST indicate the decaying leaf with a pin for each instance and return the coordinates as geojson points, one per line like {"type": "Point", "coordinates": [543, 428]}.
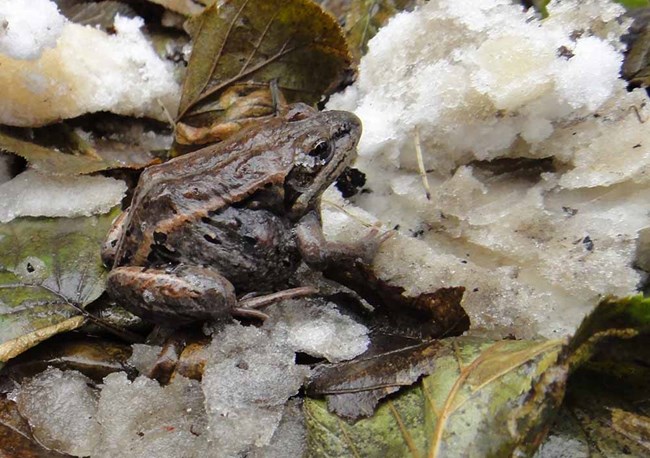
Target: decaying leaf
{"type": "Point", "coordinates": [612, 319]}
{"type": "Point", "coordinates": [477, 402]}
{"type": "Point", "coordinates": [430, 315]}
{"type": "Point", "coordinates": [49, 269]}
{"type": "Point", "coordinates": [16, 440]}
{"type": "Point", "coordinates": [255, 42]}
{"type": "Point", "coordinates": [71, 154]}
{"type": "Point", "coordinates": [354, 388]}
{"type": "Point", "coordinates": [636, 67]}
{"type": "Point", "coordinates": [238, 106]}
{"type": "Point", "coordinates": [604, 415]}
{"type": "Point", "coordinates": [364, 19]}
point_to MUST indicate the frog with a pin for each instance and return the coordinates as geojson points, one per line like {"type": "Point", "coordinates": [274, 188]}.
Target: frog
{"type": "Point", "coordinates": [220, 231]}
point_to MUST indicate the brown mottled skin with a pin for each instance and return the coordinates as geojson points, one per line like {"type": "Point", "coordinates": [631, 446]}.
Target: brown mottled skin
{"type": "Point", "coordinates": [233, 217]}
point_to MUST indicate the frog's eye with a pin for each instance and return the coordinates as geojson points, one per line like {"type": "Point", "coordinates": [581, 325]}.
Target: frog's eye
{"type": "Point", "coordinates": [322, 150]}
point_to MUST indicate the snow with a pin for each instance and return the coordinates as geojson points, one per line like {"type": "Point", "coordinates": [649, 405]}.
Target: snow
{"type": "Point", "coordinates": [87, 71]}
{"type": "Point", "coordinates": [34, 194]}
{"type": "Point", "coordinates": [25, 35]}
{"type": "Point", "coordinates": [495, 82]}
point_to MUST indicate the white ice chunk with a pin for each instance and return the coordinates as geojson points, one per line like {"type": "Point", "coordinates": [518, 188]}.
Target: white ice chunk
{"type": "Point", "coordinates": [34, 194]}
{"type": "Point", "coordinates": [27, 27]}
{"type": "Point", "coordinates": [88, 71]}
{"type": "Point", "coordinates": [486, 87]}
{"type": "Point", "coordinates": [290, 439]}
{"type": "Point", "coordinates": [144, 357]}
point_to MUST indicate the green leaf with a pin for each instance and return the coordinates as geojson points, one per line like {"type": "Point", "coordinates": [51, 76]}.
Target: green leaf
{"type": "Point", "coordinates": [631, 4]}
{"type": "Point", "coordinates": [49, 269]}
{"type": "Point", "coordinates": [258, 41]}
{"type": "Point", "coordinates": [483, 399]}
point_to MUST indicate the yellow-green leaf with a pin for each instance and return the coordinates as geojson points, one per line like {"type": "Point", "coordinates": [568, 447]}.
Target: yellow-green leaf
{"type": "Point", "coordinates": [483, 399]}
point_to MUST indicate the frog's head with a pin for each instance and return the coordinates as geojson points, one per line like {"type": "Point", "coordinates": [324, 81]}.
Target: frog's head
{"type": "Point", "coordinates": [326, 147]}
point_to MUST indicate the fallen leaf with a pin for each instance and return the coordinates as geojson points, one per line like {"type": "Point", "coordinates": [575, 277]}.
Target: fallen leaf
{"type": "Point", "coordinates": [49, 270]}
{"type": "Point", "coordinates": [612, 319]}
{"type": "Point", "coordinates": [237, 107]}
{"type": "Point", "coordinates": [606, 410]}
{"type": "Point", "coordinates": [293, 42]}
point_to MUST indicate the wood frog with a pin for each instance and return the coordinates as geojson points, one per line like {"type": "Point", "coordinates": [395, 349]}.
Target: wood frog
{"type": "Point", "coordinates": [234, 218]}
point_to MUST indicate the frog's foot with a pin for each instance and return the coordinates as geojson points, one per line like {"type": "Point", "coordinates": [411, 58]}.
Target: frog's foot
{"type": "Point", "coordinates": [247, 305]}
{"type": "Point", "coordinates": [321, 253]}
{"type": "Point", "coordinates": [366, 248]}
{"type": "Point", "coordinates": [173, 297]}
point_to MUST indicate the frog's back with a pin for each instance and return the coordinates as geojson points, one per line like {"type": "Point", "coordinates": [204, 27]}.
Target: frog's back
{"type": "Point", "coordinates": [183, 190]}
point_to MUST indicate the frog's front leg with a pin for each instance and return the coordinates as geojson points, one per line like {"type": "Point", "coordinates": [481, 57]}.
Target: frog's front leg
{"type": "Point", "coordinates": [173, 296]}
{"type": "Point", "coordinates": [321, 253]}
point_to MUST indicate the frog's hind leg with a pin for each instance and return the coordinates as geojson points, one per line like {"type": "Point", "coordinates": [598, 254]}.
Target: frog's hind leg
{"type": "Point", "coordinates": [173, 296]}
{"type": "Point", "coordinates": [246, 307]}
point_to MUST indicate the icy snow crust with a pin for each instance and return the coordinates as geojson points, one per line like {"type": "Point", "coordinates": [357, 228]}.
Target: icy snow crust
{"type": "Point", "coordinates": [479, 81]}
{"type": "Point", "coordinates": [239, 407]}
{"type": "Point", "coordinates": [57, 69]}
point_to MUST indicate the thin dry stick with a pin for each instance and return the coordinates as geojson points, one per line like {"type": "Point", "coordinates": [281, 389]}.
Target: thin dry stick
{"type": "Point", "coordinates": [167, 114]}
{"type": "Point", "coordinates": [423, 172]}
